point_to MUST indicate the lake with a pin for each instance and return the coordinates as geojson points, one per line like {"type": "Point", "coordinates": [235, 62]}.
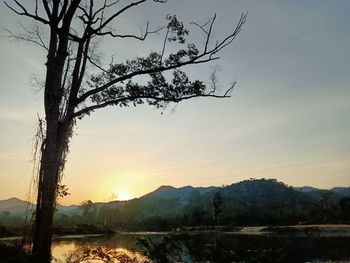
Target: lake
{"type": "Point", "coordinates": [202, 247]}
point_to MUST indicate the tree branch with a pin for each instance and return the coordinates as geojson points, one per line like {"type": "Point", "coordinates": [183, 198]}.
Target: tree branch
{"type": "Point", "coordinates": [102, 9]}
{"type": "Point", "coordinates": [206, 32]}
{"type": "Point", "coordinates": [142, 37]}
{"type": "Point", "coordinates": [24, 12]}
{"type": "Point", "coordinates": [32, 36]}
{"type": "Point", "coordinates": [47, 8]}
{"type": "Point", "coordinates": [89, 109]}
{"type": "Point", "coordinates": [97, 65]}
{"type": "Point", "coordinates": [230, 38]}
{"type": "Point", "coordinates": [111, 18]}
{"type": "Point", "coordinates": [139, 73]}
{"type": "Point", "coordinates": [63, 10]}
{"type": "Point", "coordinates": [206, 56]}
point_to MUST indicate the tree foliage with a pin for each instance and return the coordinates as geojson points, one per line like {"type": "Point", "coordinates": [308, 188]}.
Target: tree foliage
{"type": "Point", "coordinates": [82, 91]}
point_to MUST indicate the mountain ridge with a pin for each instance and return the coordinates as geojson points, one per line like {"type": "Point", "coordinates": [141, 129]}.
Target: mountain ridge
{"type": "Point", "coordinates": [183, 194]}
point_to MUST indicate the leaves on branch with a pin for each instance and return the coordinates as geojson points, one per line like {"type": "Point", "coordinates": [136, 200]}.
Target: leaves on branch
{"type": "Point", "coordinates": [158, 91]}
{"type": "Point", "coordinates": [174, 59]}
{"type": "Point", "coordinates": [143, 79]}
{"type": "Point", "coordinates": [62, 190]}
{"type": "Point", "coordinates": [177, 29]}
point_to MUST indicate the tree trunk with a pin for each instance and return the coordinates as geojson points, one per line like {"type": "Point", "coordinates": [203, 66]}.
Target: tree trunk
{"type": "Point", "coordinates": [50, 166]}
{"type": "Point", "coordinates": [52, 156]}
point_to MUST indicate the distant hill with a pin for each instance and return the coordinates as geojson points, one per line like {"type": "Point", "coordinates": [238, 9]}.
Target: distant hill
{"type": "Point", "coordinates": [306, 189]}
{"type": "Point", "coordinates": [194, 204]}
{"type": "Point", "coordinates": [262, 200]}
{"type": "Point", "coordinates": [15, 206]}
{"type": "Point", "coordinates": [250, 202]}
{"type": "Point", "coordinates": [182, 193]}
{"type": "Point", "coordinates": [69, 210]}
{"type": "Point", "coordinates": [344, 191]}
{"type": "Point", "coordinates": [316, 193]}
{"type": "Point", "coordinates": [262, 192]}
{"type": "Point", "coordinates": [19, 207]}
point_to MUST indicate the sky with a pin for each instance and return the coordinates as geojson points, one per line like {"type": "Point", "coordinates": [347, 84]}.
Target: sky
{"type": "Point", "coordinates": [288, 117]}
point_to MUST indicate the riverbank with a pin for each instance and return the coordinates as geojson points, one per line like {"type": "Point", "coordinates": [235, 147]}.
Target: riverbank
{"type": "Point", "coordinates": [307, 230]}
{"type": "Point", "coordinates": [299, 230]}
{"type": "Point", "coordinates": [326, 230]}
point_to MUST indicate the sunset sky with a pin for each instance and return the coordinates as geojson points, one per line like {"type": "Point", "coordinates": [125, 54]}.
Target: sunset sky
{"type": "Point", "coordinates": [288, 117]}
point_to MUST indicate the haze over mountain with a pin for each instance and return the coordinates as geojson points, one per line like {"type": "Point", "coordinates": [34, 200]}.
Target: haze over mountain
{"type": "Point", "coordinates": [14, 205]}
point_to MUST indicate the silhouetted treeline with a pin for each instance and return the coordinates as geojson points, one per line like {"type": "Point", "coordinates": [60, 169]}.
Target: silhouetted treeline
{"type": "Point", "coordinates": [251, 202]}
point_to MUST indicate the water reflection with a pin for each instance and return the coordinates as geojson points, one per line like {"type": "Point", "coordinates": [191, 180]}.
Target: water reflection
{"type": "Point", "coordinates": [102, 254]}
{"type": "Point", "coordinates": [96, 249]}
{"type": "Point", "coordinates": [202, 247]}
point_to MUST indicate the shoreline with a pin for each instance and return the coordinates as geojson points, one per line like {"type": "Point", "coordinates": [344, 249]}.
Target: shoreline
{"type": "Point", "coordinates": [326, 230]}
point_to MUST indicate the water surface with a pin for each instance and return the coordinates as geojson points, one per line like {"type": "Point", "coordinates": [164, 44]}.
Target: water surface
{"type": "Point", "coordinates": [204, 247]}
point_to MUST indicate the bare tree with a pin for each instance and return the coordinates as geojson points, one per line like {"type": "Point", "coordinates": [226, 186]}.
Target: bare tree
{"type": "Point", "coordinates": [72, 92]}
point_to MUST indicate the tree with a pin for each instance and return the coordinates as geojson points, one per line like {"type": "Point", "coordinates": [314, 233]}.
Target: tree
{"type": "Point", "coordinates": [325, 198]}
{"type": "Point", "coordinates": [89, 210]}
{"type": "Point", "coordinates": [344, 204]}
{"type": "Point", "coordinates": [196, 209]}
{"type": "Point", "coordinates": [217, 205]}
{"type": "Point", "coordinates": [109, 215]}
{"type": "Point", "coordinates": [71, 91]}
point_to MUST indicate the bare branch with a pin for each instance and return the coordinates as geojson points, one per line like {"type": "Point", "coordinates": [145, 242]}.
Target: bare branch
{"type": "Point", "coordinates": [94, 63]}
{"type": "Point", "coordinates": [163, 49]}
{"type": "Point", "coordinates": [85, 13]}
{"type": "Point", "coordinates": [65, 75]}
{"type": "Point", "coordinates": [102, 9]}
{"type": "Point", "coordinates": [78, 74]}
{"type": "Point", "coordinates": [115, 15]}
{"type": "Point", "coordinates": [209, 33]}
{"type": "Point", "coordinates": [32, 36]}
{"type": "Point", "coordinates": [36, 7]}
{"type": "Point", "coordinates": [89, 109]}
{"type": "Point", "coordinates": [47, 8]}
{"type": "Point", "coordinates": [142, 37]}
{"type": "Point", "coordinates": [231, 88]}
{"type": "Point", "coordinates": [24, 12]}
{"type": "Point", "coordinates": [202, 27]}
{"type": "Point", "coordinates": [63, 9]}
{"type": "Point", "coordinates": [230, 38]}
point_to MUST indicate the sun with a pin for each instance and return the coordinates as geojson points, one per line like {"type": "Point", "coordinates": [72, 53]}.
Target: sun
{"type": "Point", "coordinates": [122, 195]}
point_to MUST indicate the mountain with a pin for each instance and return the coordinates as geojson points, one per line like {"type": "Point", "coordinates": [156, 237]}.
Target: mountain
{"type": "Point", "coordinates": [169, 201]}
{"type": "Point", "coordinates": [15, 206]}
{"type": "Point", "coordinates": [19, 207]}
{"type": "Point", "coordinates": [267, 193]}
{"type": "Point", "coordinates": [182, 193]}
{"type": "Point", "coordinates": [250, 202]}
{"type": "Point", "coordinates": [316, 193]}
{"type": "Point", "coordinates": [306, 189]}
{"type": "Point", "coordinates": [69, 210]}
{"type": "Point", "coordinates": [344, 191]}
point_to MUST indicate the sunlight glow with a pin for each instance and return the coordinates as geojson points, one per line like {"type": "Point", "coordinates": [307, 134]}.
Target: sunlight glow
{"type": "Point", "coordinates": [122, 195]}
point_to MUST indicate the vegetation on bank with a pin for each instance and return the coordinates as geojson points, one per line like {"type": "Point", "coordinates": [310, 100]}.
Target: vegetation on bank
{"type": "Point", "coordinates": [13, 253]}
